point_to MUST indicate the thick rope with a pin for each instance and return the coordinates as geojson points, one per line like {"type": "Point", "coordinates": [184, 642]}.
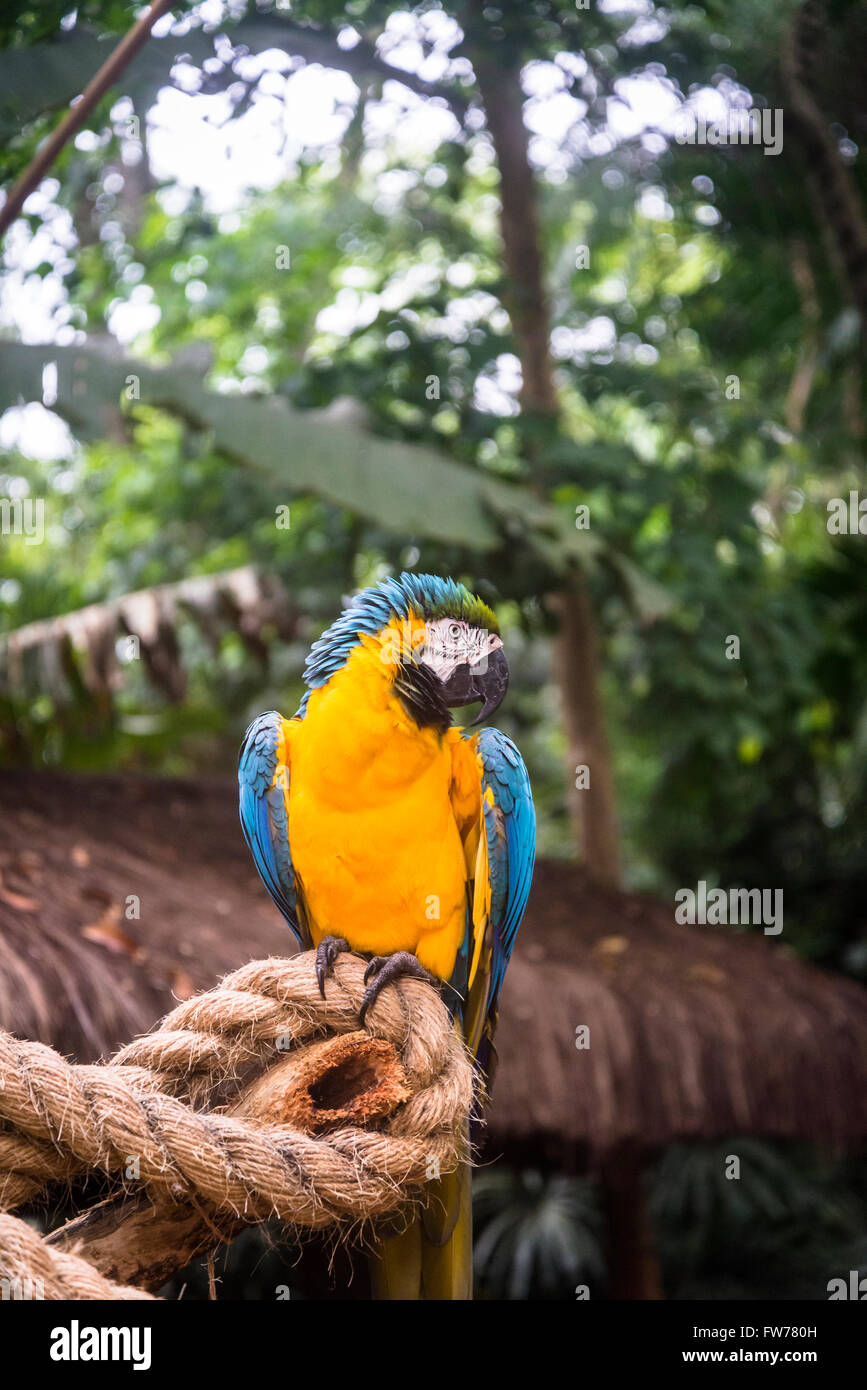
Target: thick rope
{"type": "Point", "coordinates": [60, 1120]}
{"type": "Point", "coordinates": [36, 1270]}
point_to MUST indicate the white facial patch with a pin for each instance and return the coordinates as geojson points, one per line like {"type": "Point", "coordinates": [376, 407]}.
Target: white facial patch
{"type": "Point", "coordinates": [450, 643]}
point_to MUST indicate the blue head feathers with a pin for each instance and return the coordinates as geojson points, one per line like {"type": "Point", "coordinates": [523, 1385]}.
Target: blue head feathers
{"type": "Point", "coordinates": [371, 609]}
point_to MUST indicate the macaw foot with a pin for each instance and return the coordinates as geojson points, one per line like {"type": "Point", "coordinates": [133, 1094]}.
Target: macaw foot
{"type": "Point", "coordinates": [383, 969]}
{"type": "Point", "coordinates": [329, 948]}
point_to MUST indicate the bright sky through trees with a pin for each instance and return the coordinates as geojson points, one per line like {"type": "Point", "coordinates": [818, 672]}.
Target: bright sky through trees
{"type": "Point", "coordinates": [194, 145]}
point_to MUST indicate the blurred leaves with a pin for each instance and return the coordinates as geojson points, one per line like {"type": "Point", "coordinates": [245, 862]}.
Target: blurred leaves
{"type": "Point", "coordinates": [534, 1234]}
{"type": "Point", "coordinates": [307, 451]}
{"type": "Point", "coordinates": [784, 1226]}
{"type": "Point", "coordinates": [372, 385]}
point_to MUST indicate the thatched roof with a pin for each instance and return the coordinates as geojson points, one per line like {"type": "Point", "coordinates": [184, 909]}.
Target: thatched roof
{"type": "Point", "coordinates": [694, 1031]}
{"type": "Point", "coordinates": [58, 655]}
{"type": "Point", "coordinates": [75, 970]}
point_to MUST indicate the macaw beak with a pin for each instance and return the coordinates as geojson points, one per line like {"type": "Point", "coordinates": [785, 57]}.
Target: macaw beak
{"type": "Point", "coordinates": [487, 682]}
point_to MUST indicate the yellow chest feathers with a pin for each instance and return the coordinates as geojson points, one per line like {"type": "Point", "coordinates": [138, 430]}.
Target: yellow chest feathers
{"type": "Point", "coordinates": [383, 818]}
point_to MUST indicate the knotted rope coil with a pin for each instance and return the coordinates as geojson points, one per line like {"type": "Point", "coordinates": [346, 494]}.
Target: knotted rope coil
{"type": "Point", "coordinates": [59, 1120]}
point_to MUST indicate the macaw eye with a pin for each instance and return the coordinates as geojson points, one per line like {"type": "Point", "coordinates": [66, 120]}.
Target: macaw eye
{"type": "Point", "coordinates": [454, 631]}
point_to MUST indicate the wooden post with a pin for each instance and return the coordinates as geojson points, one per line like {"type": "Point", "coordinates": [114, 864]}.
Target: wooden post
{"type": "Point", "coordinates": [634, 1269]}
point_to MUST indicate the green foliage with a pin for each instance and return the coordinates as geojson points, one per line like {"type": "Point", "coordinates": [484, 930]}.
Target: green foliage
{"type": "Point", "coordinates": [343, 464]}
{"type": "Point", "coordinates": [781, 1229]}
{"type": "Point", "coordinates": [534, 1235]}
{"type": "Point", "coordinates": [748, 770]}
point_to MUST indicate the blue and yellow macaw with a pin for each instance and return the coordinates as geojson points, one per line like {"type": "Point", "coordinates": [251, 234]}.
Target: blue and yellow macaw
{"type": "Point", "coordinates": [378, 827]}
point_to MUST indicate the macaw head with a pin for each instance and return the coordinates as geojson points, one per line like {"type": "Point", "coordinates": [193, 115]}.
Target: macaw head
{"type": "Point", "coordinates": [469, 661]}
{"type": "Point", "coordinates": [442, 642]}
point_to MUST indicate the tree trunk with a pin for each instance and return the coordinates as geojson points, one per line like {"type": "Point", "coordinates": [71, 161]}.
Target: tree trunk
{"type": "Point", "coordinates": [526, 298]}
{"type": "Point", "coordinates": [592, 801]}
{"type": "Point", "coordinates": [836, 200]}
{"type": "Point", "coordinates": [633, 1267]}
{"type": "Point", "coordinates": [593, 810]}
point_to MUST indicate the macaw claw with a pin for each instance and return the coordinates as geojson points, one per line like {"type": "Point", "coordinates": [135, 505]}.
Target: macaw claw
{"type": "Point", "coordinates": [383, 969]}
{"type": "Point", "coordinates": [329, 948]}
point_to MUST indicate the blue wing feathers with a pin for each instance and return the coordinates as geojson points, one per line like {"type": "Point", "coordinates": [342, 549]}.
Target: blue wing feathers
{"type": "Point", "coordinates": [263, 815]}
{"type": "Point", "coordinates": [510, 828]}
